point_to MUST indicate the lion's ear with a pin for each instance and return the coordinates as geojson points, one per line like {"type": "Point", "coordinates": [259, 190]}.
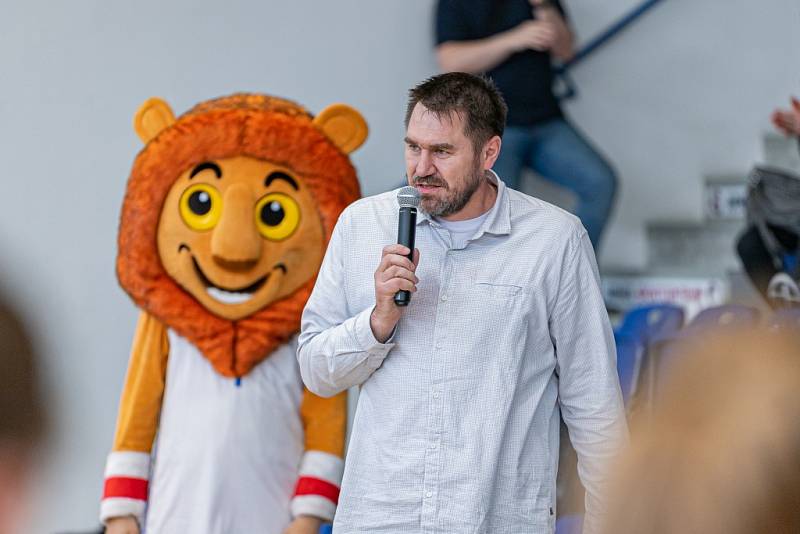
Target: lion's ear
{"type": "Point", "coordinates": [152, 117]}
{"type": "Point", "coordinates": [343, 125]}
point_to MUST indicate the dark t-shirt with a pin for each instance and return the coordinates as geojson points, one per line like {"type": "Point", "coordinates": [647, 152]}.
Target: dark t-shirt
{"type": "Point", "coordinates": [525, 78]}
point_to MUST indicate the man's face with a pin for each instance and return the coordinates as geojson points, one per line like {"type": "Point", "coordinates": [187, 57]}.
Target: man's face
{"type": "Point", "coordinates": [441, 162]}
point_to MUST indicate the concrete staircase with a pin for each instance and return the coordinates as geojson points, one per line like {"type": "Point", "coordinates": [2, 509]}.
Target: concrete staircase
{"type": "Point", "coordinates": [694, 263]}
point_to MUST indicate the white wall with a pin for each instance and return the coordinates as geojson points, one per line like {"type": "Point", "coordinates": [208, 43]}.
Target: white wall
{"type": "Point", "coordinates": [684, 93]}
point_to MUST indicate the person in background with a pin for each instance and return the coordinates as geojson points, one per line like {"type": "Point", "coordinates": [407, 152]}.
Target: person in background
{"type": "Point", "coordinates": [21, 418]}
{"type": "Point", "coordinates": [756, 258]}
{"type": "Point", "coordinates": [514, 43]}
{"type": "Point", "coordinates": [722, 452]}
{"type": "Point", "coordinates": [788, 120]}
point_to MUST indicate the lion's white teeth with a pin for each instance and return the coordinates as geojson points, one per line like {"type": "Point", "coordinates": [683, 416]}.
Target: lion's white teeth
{"type": "Point", "coordinates": [227, 297]}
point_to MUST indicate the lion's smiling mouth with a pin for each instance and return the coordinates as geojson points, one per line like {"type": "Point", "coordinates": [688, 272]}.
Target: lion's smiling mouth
{"type": "Point", "coordinates": [228, 295]}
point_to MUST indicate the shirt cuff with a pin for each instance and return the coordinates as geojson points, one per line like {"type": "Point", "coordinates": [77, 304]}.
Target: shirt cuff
{"type": "Point", "coordinates": [317, 490]}
{"type": "Point", "coordinates": [366, 339]}
{"type": "Point", "coordinates": [126, 485]}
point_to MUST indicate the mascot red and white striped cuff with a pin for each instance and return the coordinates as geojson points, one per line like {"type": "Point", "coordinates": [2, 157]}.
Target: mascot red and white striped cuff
{"type": "Point", "coordinates": [125, 490]}
{"type": "Point", "coordinates": [317, 489]}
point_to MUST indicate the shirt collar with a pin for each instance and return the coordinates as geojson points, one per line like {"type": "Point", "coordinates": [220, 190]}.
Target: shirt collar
{"type": "Point", "coordinates": [498, 221]}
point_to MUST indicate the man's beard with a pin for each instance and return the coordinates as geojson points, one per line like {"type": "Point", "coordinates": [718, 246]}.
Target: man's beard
{"type": "Point", "coordinates": [454, 199]}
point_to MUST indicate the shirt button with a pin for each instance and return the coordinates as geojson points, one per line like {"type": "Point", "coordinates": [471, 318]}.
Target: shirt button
{"type": "Point", "coordinates": [444, 298]}
{"type": "Point", "coordinates": [433, 445]}
{"type": "Point", "coordinates": [429, 494]}
{"type": "Point", "coordinates": [435, 394]}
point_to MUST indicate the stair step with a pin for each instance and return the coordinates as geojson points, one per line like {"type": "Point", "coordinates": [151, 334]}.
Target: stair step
{"type": "Point", "coordinates": [705, 249]}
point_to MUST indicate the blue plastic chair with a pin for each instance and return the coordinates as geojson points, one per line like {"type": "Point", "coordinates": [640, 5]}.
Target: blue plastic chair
{"type": "Point", "coordinates": [629, 362]}
{"type": "Point", "coordinates": [569, 524]}
{"type": "Point", "coordinates": [651, 321]}
{"type": "Point", "coordinates": [645, 325]}
{"type": "Point", "coordinates": [326, 529]}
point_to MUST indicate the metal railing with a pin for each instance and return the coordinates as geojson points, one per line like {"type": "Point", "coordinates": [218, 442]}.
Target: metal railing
{"type": "Point", "coordinates": [562, 71]}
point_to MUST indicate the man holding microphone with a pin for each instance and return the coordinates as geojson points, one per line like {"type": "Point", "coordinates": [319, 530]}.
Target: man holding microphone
{"type": "Point", "coordinates": [457, 424]}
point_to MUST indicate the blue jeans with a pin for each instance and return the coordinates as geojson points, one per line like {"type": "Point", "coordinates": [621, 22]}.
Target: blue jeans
{"type": "Point", "coordinates": [557, 152]}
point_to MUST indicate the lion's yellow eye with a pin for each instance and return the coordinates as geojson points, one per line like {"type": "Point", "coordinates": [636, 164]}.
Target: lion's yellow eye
{"type": "Point", "coordinates": [201, 206]}
{"type": "Point", "coordinates": [277, 216]}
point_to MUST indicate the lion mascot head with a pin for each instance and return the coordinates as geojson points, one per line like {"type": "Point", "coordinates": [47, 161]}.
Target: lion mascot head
{"type": "Point", "coordinates": [226, 217]}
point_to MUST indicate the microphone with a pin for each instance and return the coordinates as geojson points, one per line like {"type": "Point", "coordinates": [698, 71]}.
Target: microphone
{"type": "Point", "coordinates": [408, 199]}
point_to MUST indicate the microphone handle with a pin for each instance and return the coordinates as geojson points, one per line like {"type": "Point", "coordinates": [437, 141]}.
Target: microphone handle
{"type": "Point", "coordinates": [406, 230]}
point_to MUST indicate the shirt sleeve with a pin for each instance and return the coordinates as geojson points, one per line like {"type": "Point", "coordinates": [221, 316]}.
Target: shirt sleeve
{"type": "Point", "coordinates": [128, 465]}
{"type": "Point", "coordinates": [451, 22]}
{"type": "Point", "coordinates": [589, 392]}
{"type": "Point", "coordinates": [335, 350]}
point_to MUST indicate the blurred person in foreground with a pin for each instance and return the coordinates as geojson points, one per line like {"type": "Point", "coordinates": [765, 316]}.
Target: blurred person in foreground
{"type": "Point", "coordinates": [21, 418]}
{"type": "Point", "coordinates": [722, 452]}
{"type": "Point", "coordinates": [514, 42]}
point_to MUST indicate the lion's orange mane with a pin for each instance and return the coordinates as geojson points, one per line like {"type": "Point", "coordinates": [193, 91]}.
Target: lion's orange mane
{"type": "Point", "coordinates": [258, 126]}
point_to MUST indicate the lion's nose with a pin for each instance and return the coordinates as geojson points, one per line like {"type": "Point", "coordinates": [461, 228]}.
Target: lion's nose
{"type": "Point", "coordinates": [236, 243]}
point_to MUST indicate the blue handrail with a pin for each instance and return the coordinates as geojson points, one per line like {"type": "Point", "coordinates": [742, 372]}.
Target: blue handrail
{"type": "Point", "coordinates": [598, 41]}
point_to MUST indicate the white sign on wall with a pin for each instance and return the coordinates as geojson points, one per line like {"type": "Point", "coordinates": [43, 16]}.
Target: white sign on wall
{"type": "Point", "coordinates": [726, 201]}
{"type": "Point", "coordinates": [692, 294]}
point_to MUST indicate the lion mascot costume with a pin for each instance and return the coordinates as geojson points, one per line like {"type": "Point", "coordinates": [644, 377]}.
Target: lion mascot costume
{"type": "Point", "coordinates": [225, 221]}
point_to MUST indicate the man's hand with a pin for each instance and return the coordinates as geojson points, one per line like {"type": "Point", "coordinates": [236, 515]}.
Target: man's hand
{"type": "Point", "coordinates": [562, 46]}
{"type": "Point", "coordinates": [394, 273]}
{"type": "Point", "coordinates": [788, 120]}
{"type": "Point", "coordinates": [305, 524]}
{"type": "Point", "coordinates": [122, 525]}
{"type": "Point", "coordinates": [531, 34]}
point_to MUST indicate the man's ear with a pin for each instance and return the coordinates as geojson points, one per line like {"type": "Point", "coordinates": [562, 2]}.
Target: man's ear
{"type": "Point", "coordinates": [343, 125]}
{"type": "Point", "coordinates": [152, 118]}
{"type": "Point", "coordinates": [491, 150]}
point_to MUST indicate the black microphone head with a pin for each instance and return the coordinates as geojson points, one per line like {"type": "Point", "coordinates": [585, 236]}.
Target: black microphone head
{"type": "Point", "coordinates": [408, 197]}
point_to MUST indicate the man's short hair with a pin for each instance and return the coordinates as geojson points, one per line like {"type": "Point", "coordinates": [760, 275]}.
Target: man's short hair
{"type": "Point", "coordinates": [475, 98]}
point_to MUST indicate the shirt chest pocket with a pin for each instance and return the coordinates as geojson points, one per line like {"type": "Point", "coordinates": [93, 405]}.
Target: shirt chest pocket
{"type": "Point", "coordinates": [494, 306]}
{"type": "Point", "coordinates": [488, 329]}
{"type": "Point", "coordinates": [492, 289]}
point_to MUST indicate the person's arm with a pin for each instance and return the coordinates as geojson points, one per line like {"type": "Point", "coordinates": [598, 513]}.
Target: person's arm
{"type": "Point", "coordinates": [460, 48]}
{"type": "Point", "coordinates": [337, 351]}
{"type": "Point", "coordinates": [481, 55]}
{"type": "Point", "coordinates": [457, 53]}
{"type": "Point", "coordinates": [128, 466]}
{"type": "Point", "coordinates": [589, 392]}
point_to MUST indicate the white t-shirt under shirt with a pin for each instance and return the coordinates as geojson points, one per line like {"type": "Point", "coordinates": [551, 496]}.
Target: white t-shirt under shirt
{"type": "Point", "coordinates": [461, 231]}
